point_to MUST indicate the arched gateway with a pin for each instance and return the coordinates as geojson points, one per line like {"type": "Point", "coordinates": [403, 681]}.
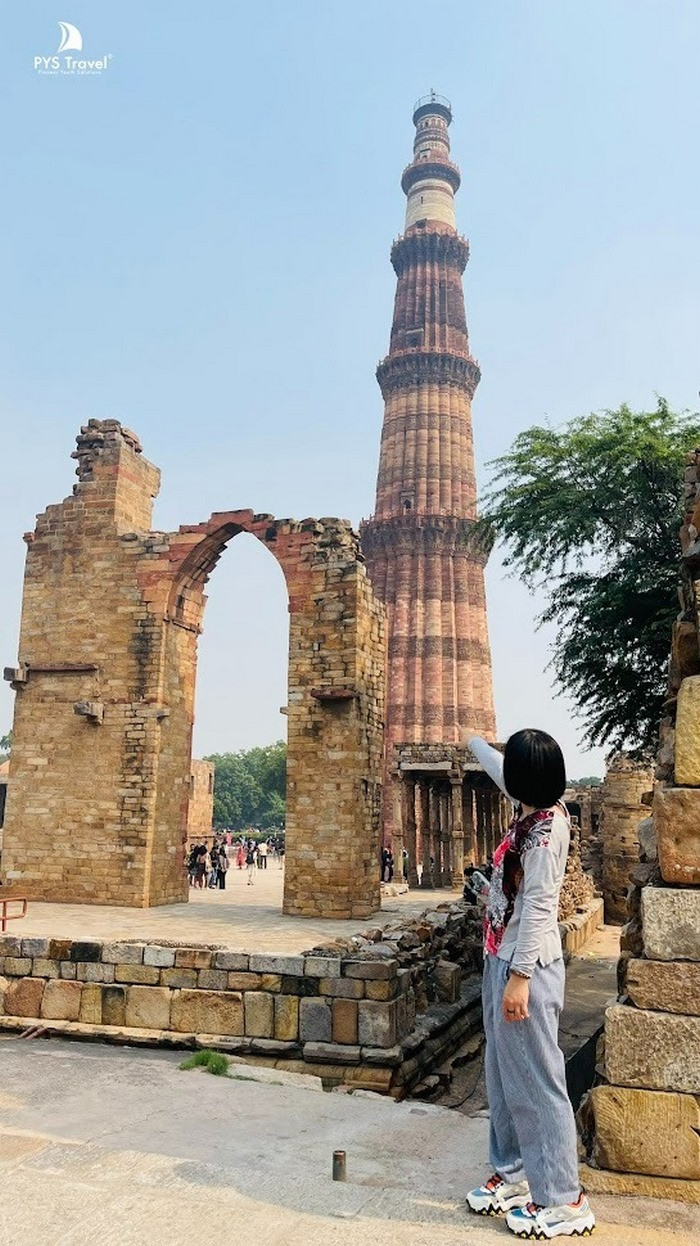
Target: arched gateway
{"type": "Point", "coordinates": [112, 611]}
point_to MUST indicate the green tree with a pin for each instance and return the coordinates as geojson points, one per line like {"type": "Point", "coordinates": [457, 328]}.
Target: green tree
{"type": "Point", "coordinates": [6, 742]}
{"type": "Point", "coordinates": [589, 515]}
{"type": "Point", "coordinates": [250, 787]}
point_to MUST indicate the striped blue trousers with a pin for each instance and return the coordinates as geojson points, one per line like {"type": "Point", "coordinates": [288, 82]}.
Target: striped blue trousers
{"type": "Point", "coordinates": [532, 1127]}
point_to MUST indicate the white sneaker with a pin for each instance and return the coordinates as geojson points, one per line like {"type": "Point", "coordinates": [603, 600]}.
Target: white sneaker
{"type": "Point", "coordinates": [544, 1223]}
{"type": "Point", "coordinates": [498, 1196]}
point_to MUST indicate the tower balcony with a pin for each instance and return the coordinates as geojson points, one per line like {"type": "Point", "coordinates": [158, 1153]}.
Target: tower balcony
{"type": "Point", "coordinates": [422, 170]}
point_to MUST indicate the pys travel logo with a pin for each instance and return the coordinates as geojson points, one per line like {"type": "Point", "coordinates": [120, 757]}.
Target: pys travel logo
{"type": "Point", "coordinates": [63, 62]}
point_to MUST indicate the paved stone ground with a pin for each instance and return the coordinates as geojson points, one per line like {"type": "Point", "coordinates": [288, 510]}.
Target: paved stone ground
{"type": "Point", "coordinates": [243, 918]}
{"type": "Point", "coordinates": [119, 1147]}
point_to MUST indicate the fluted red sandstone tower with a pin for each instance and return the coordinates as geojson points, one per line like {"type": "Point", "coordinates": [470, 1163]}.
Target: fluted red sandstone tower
{"type": "Point", "coordinates": [418, 544]}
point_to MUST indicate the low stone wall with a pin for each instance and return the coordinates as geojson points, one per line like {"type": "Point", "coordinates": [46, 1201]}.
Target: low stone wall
{"type": "Point", "coordinates": [346, 1012]}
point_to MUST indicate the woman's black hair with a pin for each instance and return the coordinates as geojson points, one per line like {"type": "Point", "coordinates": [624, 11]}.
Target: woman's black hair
{"type": "Point", "coordinates": [533, 769]}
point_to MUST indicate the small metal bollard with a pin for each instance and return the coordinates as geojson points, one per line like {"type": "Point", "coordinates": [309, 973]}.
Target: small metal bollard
{"type": "Point", "coordinates": [339, 1171]}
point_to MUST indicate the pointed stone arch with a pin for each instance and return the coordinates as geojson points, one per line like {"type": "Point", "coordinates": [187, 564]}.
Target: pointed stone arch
{"type": "Point", "coordinates": [105, 704]}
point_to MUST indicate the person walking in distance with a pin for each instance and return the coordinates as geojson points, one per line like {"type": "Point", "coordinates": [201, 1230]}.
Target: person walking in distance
{"type": "Point", "coordinates": [250, 863]}
{"type": "Point", "coordinates": [533, 1148]}
{"type": "Point", "coordinates": [262, 854]}
{"type": "Point", "coordinates": [222, 869]}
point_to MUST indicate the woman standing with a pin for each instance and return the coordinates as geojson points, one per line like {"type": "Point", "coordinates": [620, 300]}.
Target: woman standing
{"type": "Point", "coordinates": [532, 1128]}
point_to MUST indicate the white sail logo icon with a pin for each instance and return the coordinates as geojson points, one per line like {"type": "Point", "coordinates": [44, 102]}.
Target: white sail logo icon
{"type": "Point", "coordinates": [71, 38]}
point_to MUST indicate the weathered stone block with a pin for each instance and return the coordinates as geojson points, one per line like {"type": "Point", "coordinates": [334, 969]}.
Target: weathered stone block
{"type": "Point", "coordinates": [59, 949]}
{"type": "Point", "coordinates": [35, 947]}
{"type": "Point", "coordinates": [193, 958]}
{"type": "Point", "coordinates": [259, 1014]}
{"type": "Point", "coordinates": [345, 1021]}
{"type": "Point", "coordinates": [183, 978]}
{"type": "Point", "coordinates": [322, 966]}
{"type": "Point", "coordinates": [277, 964]}
{"type": "Point", "coordinates": [667, 986]}
{"type": "Point", "coordinates": [91, 1004]}
{"type": "Point", "coordinates": [376, 1023]}
{"type": "Point", "coordinates": [292, 985]}
{"type": "Point", "coordinates": [652, 1050]}
{"type": "Point", "coordinates": [69, 971]}
{"type": "Point", "coordinates": [237, 962]}
{"type": "Point", "coordinates": [43, 968]}
{"type": "Point", "coordinates": [648, 842]}
{"type": "Point", "coordinates": [207, 1012]}
{"type": "Point", "coordinates": [144, 975]}
{"type": "Point", "coordinates": [687, 752]}
{"type": "Point", "coordinates": [122, 954]}
{"type": "Point", "coordinates": [646, 1131]}
{"type": "Point", "coordinates": [671, 923]}
{"type": "Point", "coordinates": [61, 1000]}
{"type": "Point", "coordinates": [335, 1053]}
{"type": "Point", "coordinates": [10, 945]}
{"type": "Point", "coordinates": [448, 979]}
{"type": "Point", "coordinates": [315, 1021]}
{"type": "Point", "coordinates": [244, 981]}
{"type": "Point", "coordinates": [85, 951]}
{"type": "Point", "coordinates": [271, 982]}
{"type": "Point", "coordinates": [370, 968]}
{"type": "Point", "coordinates": [17, 966]}
{"type": "Point", "coordinates": [23, 997]}
{"type": "Point", "coordinates": [114, 1005]}
{"type": "Point", "coordinates": [286, 1017]}
{"type": "Point", "coordinates": [677, 825]}
{"type": "Point", "coordinates": [4, 983]}
{"type": "Point", "coordinates": [212, 979]}
{"type": "Point", "coordinates": [380, 989]}
{"type": "Point", "coordinates": [345, 988]}
{"type": "Point", "coordinates": [148, 1007]}
{"type": "Point", "coordinates": [92, 971]}
{"type": "Point", "coordinates": [163, 957]}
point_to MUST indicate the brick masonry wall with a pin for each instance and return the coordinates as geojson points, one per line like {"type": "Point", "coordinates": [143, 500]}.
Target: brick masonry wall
{"type": "Point", "coordinates": [200, 810]}
{"type": "Point", "coordinates": [99, 776]}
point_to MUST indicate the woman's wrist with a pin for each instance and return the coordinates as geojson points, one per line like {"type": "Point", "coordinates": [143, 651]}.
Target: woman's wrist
{"type": "Point", "coordinates": [520, 973]}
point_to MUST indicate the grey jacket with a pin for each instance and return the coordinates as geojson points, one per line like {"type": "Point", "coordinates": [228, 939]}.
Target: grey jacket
{"type": "Point", "coordinates": [532, 934]}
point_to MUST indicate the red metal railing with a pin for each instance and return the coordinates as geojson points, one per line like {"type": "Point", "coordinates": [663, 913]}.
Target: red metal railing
{"type": "Point", "coordinates": [6, 917]}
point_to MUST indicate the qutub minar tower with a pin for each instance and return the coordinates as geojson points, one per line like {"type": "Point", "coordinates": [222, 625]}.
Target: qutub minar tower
{"type": "Point", "coordinates": [418, 544]}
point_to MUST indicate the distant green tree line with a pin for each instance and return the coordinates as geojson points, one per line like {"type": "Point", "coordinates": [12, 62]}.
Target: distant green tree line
{"type": "Point", "coordinates": [250, 787]}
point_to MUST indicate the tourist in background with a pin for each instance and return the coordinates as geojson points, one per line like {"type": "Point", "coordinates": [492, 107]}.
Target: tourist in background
{"type": "Point", "coordinates": [240, 855]}
{"type": "Point", "coordinates": [262, 854]}
{"type": "Point", "coordinates": [533, 1146]}
{"type": "Point", "coordinates": [250, 862]}
{"type": "Point", "coordinates": [200, 866]}
{"type": "Point", "coordinates": [222, 868]}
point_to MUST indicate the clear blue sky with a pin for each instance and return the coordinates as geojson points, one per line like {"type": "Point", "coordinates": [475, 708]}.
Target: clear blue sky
{"type": "Point", "coordinates": [196, 243]}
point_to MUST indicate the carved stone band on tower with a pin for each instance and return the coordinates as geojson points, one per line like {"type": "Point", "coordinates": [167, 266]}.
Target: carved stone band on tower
{"type": "Point", "coordinates": [421, 558]}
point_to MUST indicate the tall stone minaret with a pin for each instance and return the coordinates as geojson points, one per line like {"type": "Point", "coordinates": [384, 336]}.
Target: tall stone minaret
{"type": "Point", "coordinates": [418, 542]}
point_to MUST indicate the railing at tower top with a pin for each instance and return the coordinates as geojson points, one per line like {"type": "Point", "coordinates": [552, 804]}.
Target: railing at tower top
{"type": "Point", "coordinates": [432, 98]}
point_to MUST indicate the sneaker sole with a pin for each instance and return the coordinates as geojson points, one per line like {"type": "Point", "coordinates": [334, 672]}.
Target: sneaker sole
{"type": "Point", "coordinates": [539, 1236]}
{"type": "Point", "coordinates": [509, 1205]}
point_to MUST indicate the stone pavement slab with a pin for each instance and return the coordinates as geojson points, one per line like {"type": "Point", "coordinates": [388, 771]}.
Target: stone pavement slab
{"type": "Point", "coordinates": [243, 918]}
{"type": "Point", "coordinates": [120, 1147]}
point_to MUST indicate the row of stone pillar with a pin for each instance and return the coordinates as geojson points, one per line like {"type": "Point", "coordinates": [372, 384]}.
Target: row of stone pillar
{"type": "Point", "coordinates": [444, 825]}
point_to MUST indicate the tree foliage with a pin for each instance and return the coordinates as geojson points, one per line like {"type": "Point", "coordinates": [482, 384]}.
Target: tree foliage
{"type": "Point", "coordinates": [589, 515]}
{"type": "Point", "coordinates": [250, 787]}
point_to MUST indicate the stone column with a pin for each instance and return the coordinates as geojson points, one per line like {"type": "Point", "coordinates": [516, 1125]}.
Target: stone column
{"type": "Point", "coordinates": [457, 834]}
{"type": "Point", "coordinates": [447, 854]}
{"type": "Point", "coordinates": [436, 835]}
{"type": "Point", "coordinates": [411, 837]}
{"type": "Point", "coordinates": [469, 821]}
{"type": "Point", "coordinates": [398, 791]}
{"type": "Point", "coordinates": [427, 816]}
{"type": "Point", "coordinates": [488, 824]}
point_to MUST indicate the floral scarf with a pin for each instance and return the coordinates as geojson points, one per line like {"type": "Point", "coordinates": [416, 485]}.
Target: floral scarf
{"type": "Point", "coordinates": [523, 833]}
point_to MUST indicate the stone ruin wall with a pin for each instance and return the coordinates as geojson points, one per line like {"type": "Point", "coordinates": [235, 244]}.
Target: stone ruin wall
{"type": "Point", "coordinates": [627, 782]}
{"type": "Point", "coordinates": [200, 809]}
{"type": "Point", "coordinates": [642, 1124]}
{"type": "Point", "coordinates": [111, 616]}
